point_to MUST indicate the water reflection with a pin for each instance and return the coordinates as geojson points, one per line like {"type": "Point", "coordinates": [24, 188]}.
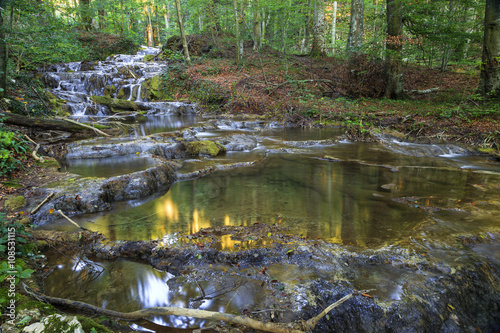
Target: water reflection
{"type": "Point", "coordinates": [109, 166]}
{"type": "Point", "coordinates": [361, 195]}
{"type": "Point", "coordinates": [128, 286]}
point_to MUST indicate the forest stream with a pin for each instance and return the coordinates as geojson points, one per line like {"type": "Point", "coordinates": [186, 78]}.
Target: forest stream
{"type": "Point", "coordinates": [267, 219]}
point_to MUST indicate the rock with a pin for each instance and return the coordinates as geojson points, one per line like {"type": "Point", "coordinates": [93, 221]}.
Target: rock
{"type": "Point", "coordinates": [14, 203]}
{"type": "Point", "coordinates": [204, 148]}
{"type": "Point", "coordinates": [118, 105]}
{"type": "Point", "coordinates": [92, 195]}
{"type": "Point", "coordinates": [56, 323]}
{"type": "Point", "coordinates": [240, 142]}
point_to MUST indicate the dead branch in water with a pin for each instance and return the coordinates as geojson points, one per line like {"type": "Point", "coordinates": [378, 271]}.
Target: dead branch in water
{"type": "Point", "coordinates": [193, 313]}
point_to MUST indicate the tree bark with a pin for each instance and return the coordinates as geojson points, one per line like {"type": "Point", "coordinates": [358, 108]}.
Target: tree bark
{"type": "Point", "coordinates": [318, 48]}
{"type": "Point", "coordinates": [183, 34]}
{"type": "Point", "coordinates": [257, 32]}
{"type": "Point", "coordinates": [355, 36]}
{"type": "Point", "coordinates": [334, 25]}
{"type": "Point", "coordinates": [489, 86]}
{"type": "Point", "coordinates": [394, 46]}
{"type": "Point", "coordinates": [237, 31]}
{"type": "Point", "coordinates": [49, 124]}
{"type": "Point", "coordinates": [3, 53]}
{"type": "Point", "coordinates": [86, 14]}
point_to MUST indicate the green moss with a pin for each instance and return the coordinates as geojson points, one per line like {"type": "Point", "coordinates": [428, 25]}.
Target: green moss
{"type": "Point", "coordinates": [154, 88]}
{"type": "Point", "coordinates": [149, 57]}
{"type": "Point", "coordinates": [117, 104]}
{"type": "Point", "coordinates": [88, 324]}
{"type": "Point", "coordinates": [109, 90]}
{"type": "Point", "coordinates": [48, 163]}
{"type": "Point", "coordinates": [204, 148]}
{"type": "Point", "coordinates": [14, 203]}
{"type": "Point", "coordinates": [12, 183]}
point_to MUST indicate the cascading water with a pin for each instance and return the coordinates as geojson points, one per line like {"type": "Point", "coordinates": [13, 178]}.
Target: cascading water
{"type": "Point", "coordinates": [119, 76]}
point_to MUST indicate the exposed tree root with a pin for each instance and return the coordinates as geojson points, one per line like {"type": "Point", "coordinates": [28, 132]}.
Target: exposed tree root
{"type": "Point", "coordinates": [296, 327]}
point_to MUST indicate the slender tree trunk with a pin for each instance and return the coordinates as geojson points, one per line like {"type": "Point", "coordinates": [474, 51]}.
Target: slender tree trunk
{"type": "Point", "coordinates": [394, 46]}
{"type": "Point", "coordinates": [167, 21]}
{"type": "Point", "coordinates": [3, 52]}
{"type": "Point", "coordinates": [181, 28]}
{"type": "Point", "coordinates": [318, 47]}
{"type": "Point", "coordinates": [355, 36]}
{"type": "Point", "coordinates": [334, 25]}
{"type": "Point", "coordinates": [149, 25]}
{"type": "Point", "coordinates": [489, 85]}
{"type": "Point", "coordinates": [237, 31]}
{"type": "Point", "coordinates": [257, 32]}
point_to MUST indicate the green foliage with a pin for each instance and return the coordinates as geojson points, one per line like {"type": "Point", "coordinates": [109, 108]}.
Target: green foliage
{"type": "Point", "coordinates": [12, 151]}
{"type": "Point", "coordinates": [18, 272]}
{"type": "Point", "coordinates": [24, 249]}
{"type": "Point", "coordinates": [14, 233]}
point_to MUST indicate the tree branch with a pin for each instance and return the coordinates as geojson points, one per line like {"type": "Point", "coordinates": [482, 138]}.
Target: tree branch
{"type": "Point", "coordinates": [193, 313]}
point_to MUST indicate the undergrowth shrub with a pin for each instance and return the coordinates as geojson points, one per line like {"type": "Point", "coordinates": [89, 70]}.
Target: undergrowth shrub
{"type": "Point", "coordinates": [364, 76]}
{"type": "Point", "coordinates": [12, 151]}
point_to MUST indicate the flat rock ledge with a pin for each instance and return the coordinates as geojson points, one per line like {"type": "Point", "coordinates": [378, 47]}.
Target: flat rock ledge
{"type": "Point", "coordinates": [76, 196]}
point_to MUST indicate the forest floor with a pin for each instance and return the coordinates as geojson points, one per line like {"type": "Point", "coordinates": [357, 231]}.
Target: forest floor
{"type": "Point", "coordinates": [319, 91]}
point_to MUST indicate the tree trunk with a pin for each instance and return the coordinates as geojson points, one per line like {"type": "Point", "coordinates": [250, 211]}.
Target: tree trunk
{"type": "Point", "coordinates": [237, 31]}
{"type": "Point", "coordinates": [149, 25]}
{"type": "Point", "coordinates": [86, 14]}
{"type": "Point", "coordinates": [334, 25]}
{"type": "Point", "coordinates": [394, 46]}
{"type": "Point", "coordinates": [318, 47]}
{"type": "Point", "coordinates": [489, 86]}
{"type": "Point", "coordinates": [49, 124]}
{"type": "Point", "coordinates": [183, 34]}
{"type": "Point", "coordinates": [355, 36]}
{"type": "Point", "coordinates": [3, 53]}
{"type": "Point", "coordinates": [257, 32]}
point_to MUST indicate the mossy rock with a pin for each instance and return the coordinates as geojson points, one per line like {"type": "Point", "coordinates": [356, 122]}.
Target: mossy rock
{"type": "Point", "coordinates": [204, 148]}
{"type": "Point", "coordinates": [14, 203]}
{"type": "Point", "coordinates": [109, 90]}
{"type": "Point", "coordinates": [149, 57]}
{"type": "Point", "coordinates": [122, 93]}
{"type": "Point", "coordinates": [88, 324]}
{"type": "Point", "coordinates": [118, 104]}
{"type": "Point", "coordinates": [153, 88]}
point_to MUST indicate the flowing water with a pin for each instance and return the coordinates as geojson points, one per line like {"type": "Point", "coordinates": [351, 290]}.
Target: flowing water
{"type": "Point", "coordinates": [308, 180]}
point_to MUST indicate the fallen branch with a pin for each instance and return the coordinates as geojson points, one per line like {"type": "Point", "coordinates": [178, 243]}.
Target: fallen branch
{"type": "Point", "coordinates": [86, 126]}
{"type": "Point", "coordinates": [42, 203]}
{"type": "Point", "coordinates": [193, 313]}
{"type": "Point", "coordinates": [70, 220]}
{"type": "Point", "coordinates": [37, 145]}
{"type": "Point", "coordinates": [422, 92]}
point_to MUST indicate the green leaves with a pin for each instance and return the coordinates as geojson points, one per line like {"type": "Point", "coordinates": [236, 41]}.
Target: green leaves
{"type": "Point", "coordinates": [6, 272]}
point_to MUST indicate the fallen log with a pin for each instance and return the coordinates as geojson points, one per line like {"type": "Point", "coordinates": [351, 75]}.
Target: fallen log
{"type": "Point", "coordinates": [296, 327]}
{"type": "Point", "coordinates": [48, 124]}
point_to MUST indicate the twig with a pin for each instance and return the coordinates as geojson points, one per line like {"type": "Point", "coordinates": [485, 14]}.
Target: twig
{"type": "Point", "coordinates": [311, 323]}
{"type": "Point", "coordinates": [263, 72]}
{"type": "Point", "coordinates": [42, 203]}
{"type": "Point", "coordinates": [38, 158]}
{"type": "Point", "coordinates": [132, 73]}
{"type": "Point", "coordinates": [36, 92]}
{"type": "Point", "coordinates": [67, 218]}
{"type": "Point", "coordinates": [86, 126]}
